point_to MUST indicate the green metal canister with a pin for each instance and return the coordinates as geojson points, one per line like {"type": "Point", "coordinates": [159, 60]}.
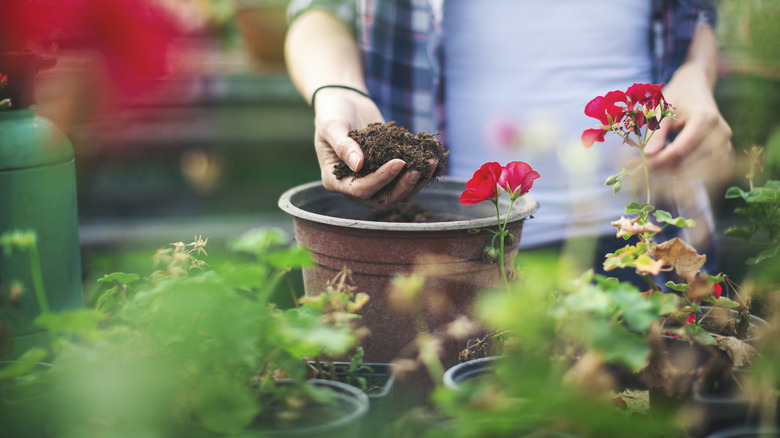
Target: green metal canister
{"type": "Point", "coordinates": [37, 193]}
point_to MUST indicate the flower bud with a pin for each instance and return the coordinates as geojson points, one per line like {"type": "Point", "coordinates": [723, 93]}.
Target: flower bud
{"type": "Point", "coordinates": [509, 239]}
{"type": "Point", "coordinates": [490, 254]}
{"type": "Point", "coordinates": [616, 187]}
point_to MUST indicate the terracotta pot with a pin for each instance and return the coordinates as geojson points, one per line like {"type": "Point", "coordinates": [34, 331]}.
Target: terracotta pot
{"type": "Point", "coordinates": [451, 257]}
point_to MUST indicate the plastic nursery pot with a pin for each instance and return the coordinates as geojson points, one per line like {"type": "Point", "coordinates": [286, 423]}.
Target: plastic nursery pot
{"type": "Point", "coordinates": [687, 356]}
{"type": "Point", "coordinates": [450, 256]}
{"type": "Point", "coordinates": [456, 375]}
{"type": "Point", "coordinates": [747, 432]}
{"type": "Point", "coordinates": [22, 401]}
{"type": "Point", "coordinates": [721, 407]}
{"type": "Point", "coordinates": [342, 419]}
{"type": "Point", "coordinates": [379, 387]}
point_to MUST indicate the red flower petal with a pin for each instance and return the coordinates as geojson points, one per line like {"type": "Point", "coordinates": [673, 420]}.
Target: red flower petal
{"type": "Point", "coordinates": [691, 319]}
{"type": "Point", "coordinates": [590, 136]}
{"type": "Point", "coordinates": [517, 178]}
{"type": "Point", "coordinates": [483, 185]}
{"type": "Point", "coordinates": [717, 289]}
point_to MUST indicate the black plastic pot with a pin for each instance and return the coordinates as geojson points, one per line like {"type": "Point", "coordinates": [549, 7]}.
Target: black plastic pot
{"type": "Point", "coordinates": [380, 390]}
{"type": "Point", "coordinates": [456, 375]}
{"type": "Point", "coordinates": [747, 432]}
{"type": "Point", "coordinates": [350, 401]}
{"type": "Point", "coordinates": [721, 407]}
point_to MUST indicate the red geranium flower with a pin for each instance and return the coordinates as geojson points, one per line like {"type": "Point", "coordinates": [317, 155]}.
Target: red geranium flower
{"type": "Point", "coordinates": [717, 289]}
{"type": "Point", "coordinates": [608, 109]}
{"type": "Point", "coordinates": [517, 178]}
{"type": "Point", "coordinates": [483, 186]}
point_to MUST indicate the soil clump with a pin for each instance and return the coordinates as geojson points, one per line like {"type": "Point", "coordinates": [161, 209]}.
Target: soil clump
{"type": "Point", "coordinates": [382, 142]}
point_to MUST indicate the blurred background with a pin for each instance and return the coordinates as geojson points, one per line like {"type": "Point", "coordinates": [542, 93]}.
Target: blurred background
{"type": "Point", "coordinates": [184, 121]}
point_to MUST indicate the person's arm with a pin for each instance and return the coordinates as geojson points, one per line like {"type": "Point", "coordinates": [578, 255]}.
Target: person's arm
{"type": "Point", "coordinates": [321, 50]}
{"type": "Point", "coordinates": [704, 139]}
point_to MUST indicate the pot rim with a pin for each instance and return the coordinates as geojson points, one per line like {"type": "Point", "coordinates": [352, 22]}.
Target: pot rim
{"type": "Point", "coordinates": [521, 209]}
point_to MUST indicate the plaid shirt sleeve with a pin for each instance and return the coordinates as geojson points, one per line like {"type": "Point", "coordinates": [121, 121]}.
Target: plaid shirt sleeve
{"type": "Point", "coordinates": [674, 24]}
{"type": "Point", "coordinates": [344, 10]}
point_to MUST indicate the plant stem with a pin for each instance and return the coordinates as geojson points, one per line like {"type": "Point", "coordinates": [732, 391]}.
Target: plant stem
{"type": "Point", "coordinates": [501, 234]}
{"type": "Point", "coordinates": [37, 278]}
{"type": "Point", "coordinates": [647, 171]}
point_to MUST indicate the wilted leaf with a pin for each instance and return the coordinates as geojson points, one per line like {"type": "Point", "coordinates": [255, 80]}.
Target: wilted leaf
{"type": "Point", "coordinates": [740, 352]}
{"type": "Point", "coordinates": [632, 227]}
{"type": "Point", "coordinates": [699, 288]}
{"type": "Point", "coordinates": [645, 263]}
{"type": "Point", "coordinates": [682, 256]}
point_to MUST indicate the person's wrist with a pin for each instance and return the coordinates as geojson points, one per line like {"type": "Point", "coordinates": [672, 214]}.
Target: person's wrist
{"type": "Point", "coordinates": [338, 89]}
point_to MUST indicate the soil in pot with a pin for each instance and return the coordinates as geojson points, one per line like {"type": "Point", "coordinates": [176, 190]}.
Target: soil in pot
{"type": "Point", "coordinates": [382, 142]}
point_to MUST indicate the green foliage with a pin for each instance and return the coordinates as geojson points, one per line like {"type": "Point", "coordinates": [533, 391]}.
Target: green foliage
{"type": "Point", "coordinates": [762, 211]}
{"type": "Point", "coordinates": [190, 347]}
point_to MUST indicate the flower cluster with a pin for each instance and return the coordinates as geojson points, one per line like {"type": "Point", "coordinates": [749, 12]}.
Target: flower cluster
{"type": "Point", "coordinates": [627, 112]}
{"type": "Point", "coordinates": [516, 178]}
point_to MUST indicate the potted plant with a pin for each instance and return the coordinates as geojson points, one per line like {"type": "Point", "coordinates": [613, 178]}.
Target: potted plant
{"type": "Point", "coordinates": [195, 349]}
{"type": "Point", "coordinates": [338, 234]}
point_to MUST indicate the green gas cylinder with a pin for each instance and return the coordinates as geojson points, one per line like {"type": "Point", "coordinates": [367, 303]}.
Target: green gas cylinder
{"type": "Point", "coordinates": [37, 193]}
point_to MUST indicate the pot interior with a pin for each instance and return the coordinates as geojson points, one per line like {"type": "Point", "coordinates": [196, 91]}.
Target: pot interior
{"type": "Point", "coordinates": [312, 202]}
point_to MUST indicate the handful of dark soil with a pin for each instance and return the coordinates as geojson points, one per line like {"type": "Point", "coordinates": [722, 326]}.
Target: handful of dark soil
{"type": "Point", "coordinates": [383, 142]}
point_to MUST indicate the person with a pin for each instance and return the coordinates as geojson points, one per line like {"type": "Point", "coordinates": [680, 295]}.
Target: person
{"type": "Point", "coordinates": [507, 80]}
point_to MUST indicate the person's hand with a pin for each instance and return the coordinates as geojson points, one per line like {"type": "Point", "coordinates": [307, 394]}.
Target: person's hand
{"type": "Point", "coordinates": [702, 147]}
{"type": "Point", "coordinates": [339, 111]}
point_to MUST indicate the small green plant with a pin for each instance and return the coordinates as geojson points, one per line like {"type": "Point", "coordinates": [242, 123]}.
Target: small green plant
{"type": "Point", "coordinates": [762, 210]}
{"type": "Point", "coordinates": [193, 346]}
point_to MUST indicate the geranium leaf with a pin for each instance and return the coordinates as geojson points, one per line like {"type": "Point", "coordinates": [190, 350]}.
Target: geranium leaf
{"type": "Point", "coordinates": [676, 286]}
{"type": "Point", "coordinates": [665, 217]}
{"type": "Point", "coordinates": [121, 277]}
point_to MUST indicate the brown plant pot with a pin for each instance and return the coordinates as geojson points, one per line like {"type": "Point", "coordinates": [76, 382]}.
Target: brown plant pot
{"type": "Point", "coordinates": [446, 252]}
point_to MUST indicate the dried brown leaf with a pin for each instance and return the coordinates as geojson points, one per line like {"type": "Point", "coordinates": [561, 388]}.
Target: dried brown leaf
{"type": "Point", "coordinates": [740, 352]}
{"type": "Point", "coordinates": [686, 260]}
{"type": "Point", "coordinates": [632, 227]}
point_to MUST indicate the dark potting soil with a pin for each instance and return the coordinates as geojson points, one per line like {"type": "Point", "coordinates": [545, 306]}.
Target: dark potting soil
{"type": "Point", "coordinates": [382, 142]}
{"type": "Point", "coordinates": [406, 212]}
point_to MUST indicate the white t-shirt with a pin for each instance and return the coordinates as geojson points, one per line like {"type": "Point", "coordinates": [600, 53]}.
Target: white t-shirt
{"type": "Point", "coordinates": [518, 74]}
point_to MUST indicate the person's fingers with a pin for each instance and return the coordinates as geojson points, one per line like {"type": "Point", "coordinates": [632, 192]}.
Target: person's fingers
{"type": "Point", "coordinates": [364, 188]}
{"type": "Point", "coordinates": [690, 137]}
{"type": "Point", "coordinates": [335, 133]}
{"type": "Point", "coordinates": [421, 182]}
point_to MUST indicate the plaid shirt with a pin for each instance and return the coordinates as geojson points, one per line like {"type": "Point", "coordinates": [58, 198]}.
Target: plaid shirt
{"type": "Point", "coordinates": [401, 45]}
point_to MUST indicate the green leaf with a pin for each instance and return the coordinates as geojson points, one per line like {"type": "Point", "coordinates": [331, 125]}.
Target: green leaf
{"type": "Point", "coordinates": [742, 232]}
{"type": "Point", "coordinates": [260, 240]}
{"type": "Point", "coordinates": [665, 217]}
{"type": "Point", "coordinates": [23, 365]}
{"type": "Point", "coordinates": [120, 277]}
{"type": "Point", "coordinates": [293, 257]}
{"type": "Point", "coordinates": [700, 335]}
{"type": "Point", "coordinates": [639, 208]}
{"type": "Point", "coordinates": [82, 321]}
{"type": "Point", "coordinates": [677, 286]}
{"type": "Point", "coordinates": [223, 406]}
{"type": "Point", "coordinates": [725, 302]}
{"type": "Point", "coordinates": [767, 254]}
